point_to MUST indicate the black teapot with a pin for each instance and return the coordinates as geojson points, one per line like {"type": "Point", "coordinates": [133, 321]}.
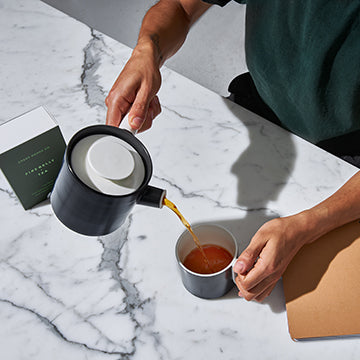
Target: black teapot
{"type": "Point", "coordinates": [105, 172]}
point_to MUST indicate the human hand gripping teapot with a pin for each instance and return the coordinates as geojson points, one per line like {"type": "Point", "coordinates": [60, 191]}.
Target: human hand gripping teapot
{"type": "Point", "coordinates": [105, 172]}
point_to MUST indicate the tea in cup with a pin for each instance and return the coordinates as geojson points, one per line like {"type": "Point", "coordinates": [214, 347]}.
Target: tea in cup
{"type": "Point", "coordinates": [209, 277]}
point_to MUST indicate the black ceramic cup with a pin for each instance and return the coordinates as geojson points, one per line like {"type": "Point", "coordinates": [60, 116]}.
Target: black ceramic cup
{"type": "Point", "coordinates": [207, 286]}
{"type": "Point", "coordinates": [90, 212]}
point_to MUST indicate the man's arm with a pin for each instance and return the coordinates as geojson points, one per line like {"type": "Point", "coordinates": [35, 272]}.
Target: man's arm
{"type": "Point", "coordinates": [166, 25]}
{"type": "Point", "coordinates": [274, 245]}
{"type": "Point", "coordinates": [163, 31]}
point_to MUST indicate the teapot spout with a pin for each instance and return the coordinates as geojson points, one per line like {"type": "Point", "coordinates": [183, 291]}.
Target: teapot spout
{"type": "Point", "coordinates": [152, 196]}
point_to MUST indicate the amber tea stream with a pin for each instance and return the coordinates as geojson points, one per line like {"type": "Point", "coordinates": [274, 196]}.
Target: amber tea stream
{"type": "Point", "coordinates": [173, 207]}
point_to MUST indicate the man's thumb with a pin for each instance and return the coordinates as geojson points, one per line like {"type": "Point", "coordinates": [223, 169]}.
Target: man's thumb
{"type": "Point", "coordinates": [247, 259]}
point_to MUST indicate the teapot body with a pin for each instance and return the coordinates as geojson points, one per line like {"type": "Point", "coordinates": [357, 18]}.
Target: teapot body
{"type": "Point", "coordinates": [88, 211]}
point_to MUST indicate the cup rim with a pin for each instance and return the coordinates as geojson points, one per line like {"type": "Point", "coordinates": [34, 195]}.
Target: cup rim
{"type": "Point", "coordinates": [230, 265]}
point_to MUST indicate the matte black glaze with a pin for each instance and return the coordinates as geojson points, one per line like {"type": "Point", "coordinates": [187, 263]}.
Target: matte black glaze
{"type": "Point", "coordinates": [207, 287]}
{"type": "Point", "coordinates": [88, 211]}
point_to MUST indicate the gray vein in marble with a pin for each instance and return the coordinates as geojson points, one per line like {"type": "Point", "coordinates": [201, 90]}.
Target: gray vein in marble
{"type": "Point", "coordinates": [33, 212]}
{"type": "Point", "coordinates": [177, 113]}
{"type": "Point", "coordinates": [38, 285]}
{"type": "Point", "coordinates": [228, 332]}
{"type": "Point", "coordinates": [225, 126]}
{"type": "Point", "coordinates": [11, 194]}
{"type": "Point", "coordinates": [94, 93]}
{"type": "Point", "coordinates": [14, 240]}
{"type": "Point", "coordinates": [113, 252]}
{"type": "Point", "coordinates": [55, 330]}
{"type": "Point", "coordinates": [51, 323]}
{"type": "Point", "coordinates": [218, 204]}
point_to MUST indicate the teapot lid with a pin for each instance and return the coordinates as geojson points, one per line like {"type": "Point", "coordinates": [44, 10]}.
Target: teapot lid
{"type": "Point", "coordinates": [108, 164]}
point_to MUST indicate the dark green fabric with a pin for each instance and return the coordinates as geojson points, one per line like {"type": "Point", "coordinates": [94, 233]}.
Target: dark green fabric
{"type": "Point", "coordinates": [304, 57]}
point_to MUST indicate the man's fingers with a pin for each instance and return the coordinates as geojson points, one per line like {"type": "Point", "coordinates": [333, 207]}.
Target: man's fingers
{"type": "Point", "coordinates": [266, 292]}
{"type": "Point", "coordinates": [113, 116]}
{"type": "Point", "coordinates": [139, 109]}
{"type": "Point", "coordinates": [256, 275]}
{"type": "Point", "coordinates": [249, 256]}
{"type": "Point", "coordinates": [254, 291]}
{"type": "Point", "coordinates": [155, 104]}
{"type": "Point", "coordinates": [255, 281]}
{"type": "Point", "coordinates": [117, 109]}
{"type": "Point", "coordinates": [259, 291]}
{"type": "Point", "coordinates": [153, 111]}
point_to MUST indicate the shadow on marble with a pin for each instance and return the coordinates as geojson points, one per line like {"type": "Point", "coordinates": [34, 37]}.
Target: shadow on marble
{"type": "Point", "coordinates": [41, 204]}
{"type": "Point", "coordinates": [262, 170]}
{"type": "Point", "coordinates": [330, 338]}
{"type": "Point", "coordinates": [276, 300]}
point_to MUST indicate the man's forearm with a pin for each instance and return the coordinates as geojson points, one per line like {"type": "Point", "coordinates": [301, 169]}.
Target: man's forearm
{"type": "Point", "coordinates": [340, 208]}
{"type": "Point", "coordinates": [166, 25]}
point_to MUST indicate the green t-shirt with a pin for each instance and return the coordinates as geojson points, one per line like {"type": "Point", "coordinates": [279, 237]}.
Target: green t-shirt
{"type": "Point", "coordinates": [304, 57]}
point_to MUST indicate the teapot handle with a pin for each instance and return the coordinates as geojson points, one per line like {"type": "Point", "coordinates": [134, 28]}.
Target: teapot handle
{"type": "Point", "coordinates": [151, 196]}
{"type": "Point", "coordinates": [126, 126]}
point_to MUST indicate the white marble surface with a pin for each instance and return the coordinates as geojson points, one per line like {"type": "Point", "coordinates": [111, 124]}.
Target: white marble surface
{"type": "Point", "coordinates": [212, 67]}
{"type": "Point", "coordinates": [67, 296]}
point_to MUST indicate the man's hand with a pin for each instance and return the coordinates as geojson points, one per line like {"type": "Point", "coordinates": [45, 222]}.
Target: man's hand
{"type": "Point", "coordinates": [135, 92]}
{"type": "Point", "coordinates": [272, 248]}
{"type": "Point", "coordinates": [270, 251]}
{"type": "Point", "coordinates": [162, 33]}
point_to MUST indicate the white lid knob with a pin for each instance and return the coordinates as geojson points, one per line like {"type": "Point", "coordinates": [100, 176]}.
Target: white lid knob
{"type": "Point", "coordinates": [110, 159]}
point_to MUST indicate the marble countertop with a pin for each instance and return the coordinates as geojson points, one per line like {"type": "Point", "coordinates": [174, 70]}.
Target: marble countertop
{"type": "Point", "coordinates": [68, 296]}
